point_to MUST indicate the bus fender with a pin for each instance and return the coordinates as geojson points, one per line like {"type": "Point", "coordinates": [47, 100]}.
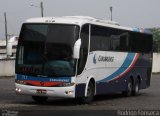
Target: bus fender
{"type": "Point", "coordinates": [91, 78]}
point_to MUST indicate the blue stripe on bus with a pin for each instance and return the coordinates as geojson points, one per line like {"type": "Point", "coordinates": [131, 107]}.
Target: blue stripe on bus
{"type": "Point", "coordinates": [123, 68]}
{"type": "Point", "coordinates": [45, 79]}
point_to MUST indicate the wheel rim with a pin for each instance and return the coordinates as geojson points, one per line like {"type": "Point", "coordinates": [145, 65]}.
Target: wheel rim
{"type": "Point", "coordinates": [137, 88]}
{"type": "Point", "coordinates": [129, 91]}
{"type": "Point", "coordinates": [129, 87]}
{"type": "Point", "coordinates": [89, 91]}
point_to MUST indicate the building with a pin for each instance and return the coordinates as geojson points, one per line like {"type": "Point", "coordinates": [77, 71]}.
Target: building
{"type": "Point", "coordinates": [3, 49]}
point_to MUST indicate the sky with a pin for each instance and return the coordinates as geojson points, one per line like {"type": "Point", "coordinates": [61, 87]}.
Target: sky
{"type": "Point", "coordinates": [130, 13]}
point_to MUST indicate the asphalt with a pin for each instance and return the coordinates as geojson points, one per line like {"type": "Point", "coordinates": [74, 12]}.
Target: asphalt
{"type": "Point", "coordinates": [148, 99]}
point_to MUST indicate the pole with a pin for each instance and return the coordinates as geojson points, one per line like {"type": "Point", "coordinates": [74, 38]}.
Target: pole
{"type": "Point", "coordinates": [111, 8]}
{"type": "Point", "coordinates": [5, 17]}
{"type": "Point", "coordinates": [41, 5]}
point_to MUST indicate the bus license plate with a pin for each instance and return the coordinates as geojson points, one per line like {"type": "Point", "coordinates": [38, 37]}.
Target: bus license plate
{"type": "Point", "coordinates": [41, 91]}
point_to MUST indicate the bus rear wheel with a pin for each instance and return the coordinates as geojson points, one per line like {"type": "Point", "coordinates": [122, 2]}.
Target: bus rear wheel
{"type": "Point", "coordinates": [90, 94]}
{"type": "Point", "coordinates": [39, 99]}
{"type": "Point", "coordinates": [128, 92]}
{"type": "Point", "coordinates": [136, 88]}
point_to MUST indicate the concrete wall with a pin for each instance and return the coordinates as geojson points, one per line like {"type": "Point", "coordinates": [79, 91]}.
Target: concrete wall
{"type": "Point", "coordinates": [156, 63]}
{"type": "Point", "coordinates": [7, 67]}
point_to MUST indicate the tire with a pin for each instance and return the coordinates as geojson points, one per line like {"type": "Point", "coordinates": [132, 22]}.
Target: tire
{"type": "Point", "coordinates": [136, 88]}
{"type": "Point", "coordinates": [39, 99]}
{"type": "Point", "coordinates": [128, 92]}
{"type": "Point", "coordinates": [90, 94]}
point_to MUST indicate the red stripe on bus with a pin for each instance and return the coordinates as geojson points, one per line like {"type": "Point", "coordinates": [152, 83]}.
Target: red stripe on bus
{"type": "Point", "coordinates": [43, 84]}
{"type": "Point", "coordinates": [128, 70]}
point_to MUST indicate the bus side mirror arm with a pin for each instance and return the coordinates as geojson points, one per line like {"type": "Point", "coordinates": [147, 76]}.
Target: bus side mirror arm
{"type": "Point", "coordinates": [76, 51]}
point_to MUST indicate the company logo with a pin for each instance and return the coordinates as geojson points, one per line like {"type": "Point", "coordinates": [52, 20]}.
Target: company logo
{"type": "Point", "coordinates": [106, 59]}
{"type": "Point", "coordinates": [94, 59]}
{"type": "Point", "coordinates": [102, 59]}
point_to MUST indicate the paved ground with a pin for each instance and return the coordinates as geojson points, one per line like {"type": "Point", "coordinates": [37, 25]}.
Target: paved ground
{"type": "Point", "coordinates": [149, 99]}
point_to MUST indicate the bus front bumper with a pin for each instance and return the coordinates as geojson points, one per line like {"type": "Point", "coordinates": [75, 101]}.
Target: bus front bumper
{"type": "Point", "coordinates": [64, 92]}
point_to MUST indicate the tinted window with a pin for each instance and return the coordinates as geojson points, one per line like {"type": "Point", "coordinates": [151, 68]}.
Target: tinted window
{"type": "Point", "coordinates": [99, 38]}
{"type": "Point", "coordinates": [47, 49]}
{"type": "Point", "coordinates": [63, 34]}
{"type": "Point", "coordinates": [140, 42]}
{"type": "Point", "coordinates": [112, 39]}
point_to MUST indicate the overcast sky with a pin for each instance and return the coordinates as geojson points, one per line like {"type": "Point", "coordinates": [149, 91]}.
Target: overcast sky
{"type": "Point", "coordinates": [131, 13]}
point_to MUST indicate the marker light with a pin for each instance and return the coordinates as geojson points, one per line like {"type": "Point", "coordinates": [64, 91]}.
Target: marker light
{"type": "Point", "coordinates": [69, 92]}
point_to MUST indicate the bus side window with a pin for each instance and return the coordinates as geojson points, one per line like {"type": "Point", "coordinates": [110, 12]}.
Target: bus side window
{"type": "Point", "coordinates": [140, 42]}
{"type": "Point", "coordinates": [115, 43]}
{"type": "Point", "coordinates": [119, 41]}
{"type": "Point", "coordinates": [99, 38]}
{"type": "Point", "coordinates": [124, 42]}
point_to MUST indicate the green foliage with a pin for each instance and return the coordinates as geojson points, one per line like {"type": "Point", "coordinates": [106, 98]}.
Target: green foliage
{"type": "Point", "coordinates": [156, 34]}
{"type": "Point", "coordinates": [156, 38]}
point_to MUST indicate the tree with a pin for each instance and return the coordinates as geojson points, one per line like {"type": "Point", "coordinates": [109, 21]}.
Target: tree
{"type": "Point", "coordinates": [156, 39]}
{"type": "Point", "coordinates": [156, 33]}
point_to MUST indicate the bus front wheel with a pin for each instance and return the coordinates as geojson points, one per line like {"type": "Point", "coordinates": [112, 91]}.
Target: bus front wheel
{"type": "Point", "coordinates": [90, 94]}
{"type": "Point", "coordinates": [39, 99]}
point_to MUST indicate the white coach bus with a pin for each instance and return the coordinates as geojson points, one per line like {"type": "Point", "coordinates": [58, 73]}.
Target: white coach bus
{"type": "Point", "coordinates": [80, 57]}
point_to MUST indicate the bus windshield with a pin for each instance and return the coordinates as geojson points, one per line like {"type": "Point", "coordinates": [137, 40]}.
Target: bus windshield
{"type": "Point", "coordinates": [46, 49]}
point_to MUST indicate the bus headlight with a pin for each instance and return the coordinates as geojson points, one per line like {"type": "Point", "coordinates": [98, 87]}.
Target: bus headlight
{"type": "Point", "coordinates": [66, 84]}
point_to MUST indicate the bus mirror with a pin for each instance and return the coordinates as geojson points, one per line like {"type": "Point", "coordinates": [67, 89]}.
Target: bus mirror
{"type": "Point", "coordinates": [76, 52]}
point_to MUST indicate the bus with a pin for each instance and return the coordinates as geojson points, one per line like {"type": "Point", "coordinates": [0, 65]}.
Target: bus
{"type": "Point", "coordinates": [80, 57]}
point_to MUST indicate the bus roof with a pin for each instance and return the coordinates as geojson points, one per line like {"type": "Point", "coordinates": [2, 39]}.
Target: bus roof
{"type": "Point", "coordinates": [80, 20]}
